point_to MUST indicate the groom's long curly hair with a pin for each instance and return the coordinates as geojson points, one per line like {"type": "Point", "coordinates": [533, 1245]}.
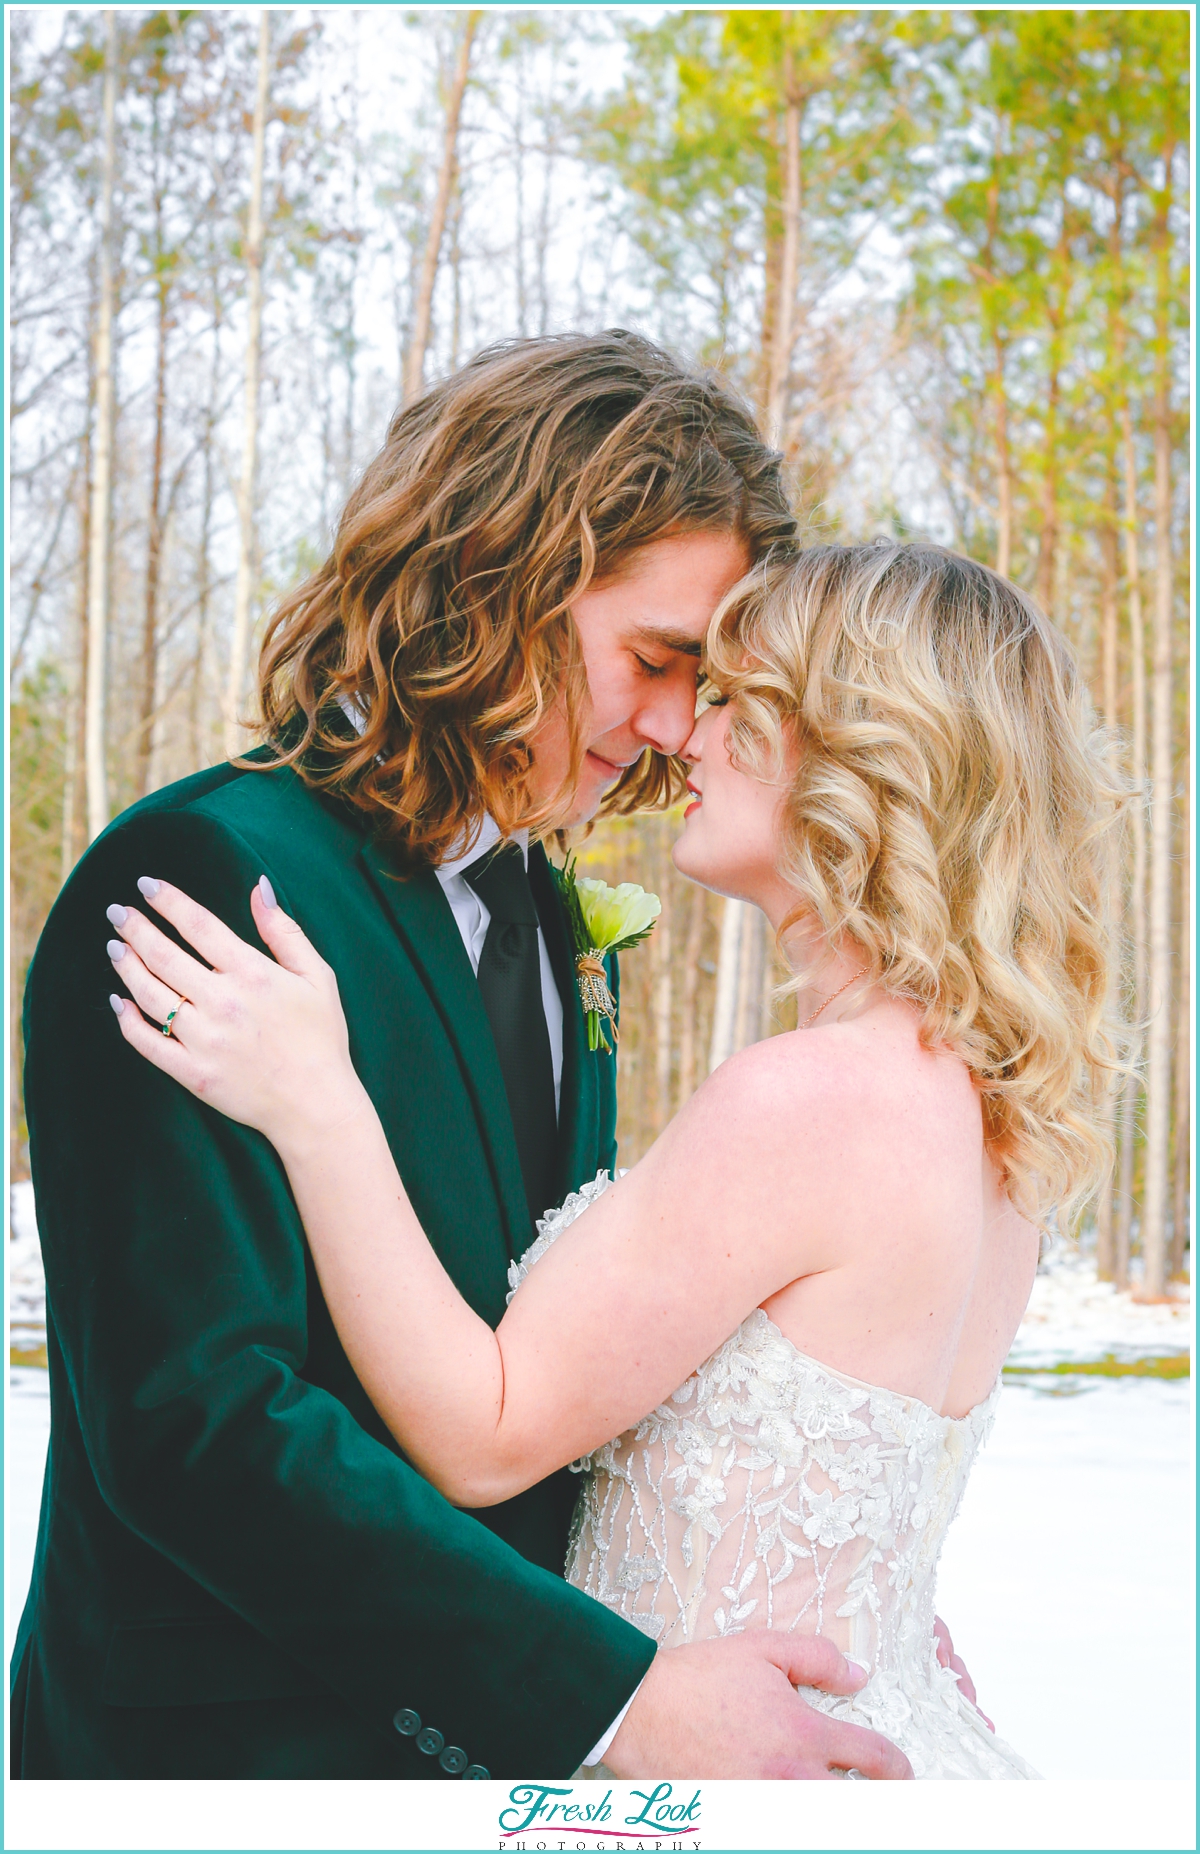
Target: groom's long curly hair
{"type": "Point", "coordinates": [949, 809]}
{"type": "Point", "coordinates": [442, 616]}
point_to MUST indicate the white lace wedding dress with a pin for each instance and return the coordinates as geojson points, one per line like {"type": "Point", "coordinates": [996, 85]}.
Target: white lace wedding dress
{"type": "Point", "coordinates": [772, 1492]}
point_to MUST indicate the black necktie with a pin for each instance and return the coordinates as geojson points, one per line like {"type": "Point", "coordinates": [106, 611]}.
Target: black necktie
{"type": "Point", "coordinates": [510, 982]}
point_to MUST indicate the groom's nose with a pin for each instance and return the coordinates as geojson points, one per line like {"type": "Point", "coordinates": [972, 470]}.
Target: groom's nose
{"type": "Point", "coordinates": [666, 714]}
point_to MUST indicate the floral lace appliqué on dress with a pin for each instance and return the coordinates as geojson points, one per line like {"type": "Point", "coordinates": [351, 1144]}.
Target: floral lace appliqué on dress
{"type": "Point", "coordinates": [772, 1492]}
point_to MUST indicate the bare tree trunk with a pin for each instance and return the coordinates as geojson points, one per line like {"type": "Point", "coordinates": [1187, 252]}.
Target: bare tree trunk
{"type": "Point", "coordinates": [456, 268]}
{"type": "Point", "coordinates": [101, 510]}
{"type": "Point", "coordinates": [161, 728]}
{"type": "Point", "coordinates": [725, 1005]}
{"type": "Point", "coordinates": [662, 1023]}
{"type": "Point", "coordinates": [739, 961]}
{"type": "Point", "coordinates": [1048, 539]}
{"type": "Point", "coordinates": [1183, 1055]}
{"type": "Point", "coordinates": [414, 368]}
{"type": "Point", "coordinates": [1003, 470]}
{"type": "Point", "coordinates": [201, 740]}
{"type": "Point", "coordinates": [750, 978]}
{"type": "Point", "coordinates": [154, 540]}
{"type": "Point", "coordinates": [1158, 1057]}
{"type": "Point", "coordinates": [773, 260]}
{"type": "Point", "coordinates": [544, 229]}
{"type": "Point", "coordinates": [247, 538]}
{"type": "Point", "coordinates": [1004, 496]}
{"type": "Point", "coordinates": [784, 341]}
{"type": "Point", "coordinates": [519, 198]}
{"type": "Point", "coordinates": [349, 423]}
{"type": "Point", "coordinates": [66, 859]}
{"type": "Point", "coordinates": [768, 1008]}
{"type": "Point", "coordinates": [1109, 580]}
{"type": "Point", "coordinates": [1137, 898]}
{"type": "Point", "coordinates": [75, 770]}
{"type": "Point", "coordinates": [688, 1037]}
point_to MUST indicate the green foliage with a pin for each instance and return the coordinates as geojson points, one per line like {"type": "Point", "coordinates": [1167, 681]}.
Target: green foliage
{"type": "Point", "coordinates": [36, 737]}
{"type": "Point", "coordinates": [1034, 241]}
{"type": "Point", "coordinates": [696, 142]}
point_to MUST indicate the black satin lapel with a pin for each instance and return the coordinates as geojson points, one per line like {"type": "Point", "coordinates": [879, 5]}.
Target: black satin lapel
{"type": "Point", "coordinates": [579, 1101]}
{"type": "Point", "coordinates": [426, 924]}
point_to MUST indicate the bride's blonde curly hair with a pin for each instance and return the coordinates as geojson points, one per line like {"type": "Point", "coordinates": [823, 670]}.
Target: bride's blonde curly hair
{"type": "Point", "coordinates": [946, 812]}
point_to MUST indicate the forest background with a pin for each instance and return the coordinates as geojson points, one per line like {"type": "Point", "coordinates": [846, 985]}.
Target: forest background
{"type": "Point", "coordinates": [945, 254]}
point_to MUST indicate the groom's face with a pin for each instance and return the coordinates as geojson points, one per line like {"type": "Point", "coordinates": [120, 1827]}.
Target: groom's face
{"type": "Point", "coordinates": [641, 632]}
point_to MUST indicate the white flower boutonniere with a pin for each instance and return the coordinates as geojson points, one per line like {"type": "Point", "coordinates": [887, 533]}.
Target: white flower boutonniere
{"type": "Point", "coordinates": [603, 920]}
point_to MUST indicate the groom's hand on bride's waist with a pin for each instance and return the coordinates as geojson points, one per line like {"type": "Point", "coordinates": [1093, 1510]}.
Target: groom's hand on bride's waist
{"type": "Point", "coordinates": [729, 1709]}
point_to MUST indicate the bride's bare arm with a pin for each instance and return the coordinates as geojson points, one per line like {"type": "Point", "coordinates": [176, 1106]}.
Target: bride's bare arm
{"type": "Point", "coordinates": [620, 1311]}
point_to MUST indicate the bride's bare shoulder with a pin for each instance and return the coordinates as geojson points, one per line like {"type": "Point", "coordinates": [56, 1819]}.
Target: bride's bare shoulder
{"type": "Point", "coordinates": [861, 1082]}
{"type": "Point", "coordinates": [784, 1087]}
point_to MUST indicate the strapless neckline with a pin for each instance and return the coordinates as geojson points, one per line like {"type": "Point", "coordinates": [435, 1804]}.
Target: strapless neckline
{"type": "Point", "coordinates": [551, 1226]}
{"type": "Point", "coordinates": [977, 1413]}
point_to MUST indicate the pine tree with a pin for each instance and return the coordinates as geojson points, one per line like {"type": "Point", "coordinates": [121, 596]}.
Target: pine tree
{"type": "Point", "coordinates": [100, 515]}
{"type": "Point", "coordinates": [247, 524]}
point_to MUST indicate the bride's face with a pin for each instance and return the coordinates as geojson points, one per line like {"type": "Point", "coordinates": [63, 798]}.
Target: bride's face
{"type": "Point", "coordinates": [731, 829]}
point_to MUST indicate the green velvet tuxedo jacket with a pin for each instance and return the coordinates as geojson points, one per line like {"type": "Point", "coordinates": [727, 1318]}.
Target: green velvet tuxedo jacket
{"type": "Point", "coordinates": [237, 1573]}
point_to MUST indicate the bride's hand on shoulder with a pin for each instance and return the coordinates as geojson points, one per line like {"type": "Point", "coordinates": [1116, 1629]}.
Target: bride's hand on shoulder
{"type": "Point", "coordinates": [262, 1040]}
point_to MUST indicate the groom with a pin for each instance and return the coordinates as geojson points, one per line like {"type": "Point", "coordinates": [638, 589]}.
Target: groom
{"type": "Point", "coordinates": [237, 1572]}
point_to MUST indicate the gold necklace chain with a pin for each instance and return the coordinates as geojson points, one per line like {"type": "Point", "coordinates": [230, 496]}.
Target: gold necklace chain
{"type": "Point", "coordinates": [829, 1000]}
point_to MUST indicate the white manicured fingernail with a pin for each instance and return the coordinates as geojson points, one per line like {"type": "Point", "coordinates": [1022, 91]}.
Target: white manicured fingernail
{"type": "Point", "coordinates": [267, 893]}
{"type": "Point", "coordinates": [116, 950]}
{"type": "Point", "coordinates": [117, 914]}
{"type": "Point", "coordinates": [149, 886]}
{"type": "Point", "coordinates": [860, 1667]}
{"type": "Point", "coordinates": [118, 1004]}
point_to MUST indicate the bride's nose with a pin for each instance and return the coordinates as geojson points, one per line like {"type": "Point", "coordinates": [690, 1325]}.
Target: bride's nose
{"type": "Point", "coordinates": [693, 747]}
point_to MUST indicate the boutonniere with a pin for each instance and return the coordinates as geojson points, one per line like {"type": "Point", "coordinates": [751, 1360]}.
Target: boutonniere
{"type": "Point", "coordinates": [603, 920]}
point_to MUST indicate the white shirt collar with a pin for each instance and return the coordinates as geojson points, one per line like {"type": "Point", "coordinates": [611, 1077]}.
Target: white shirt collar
{"type": "Point", "coordinates": [489, 834]}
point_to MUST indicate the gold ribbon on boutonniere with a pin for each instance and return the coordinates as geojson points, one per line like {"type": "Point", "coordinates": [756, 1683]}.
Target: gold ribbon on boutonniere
{"type": "Point", "coordinates": [603, 920]}
{"type": "Point", "coordinates": [594, 994]}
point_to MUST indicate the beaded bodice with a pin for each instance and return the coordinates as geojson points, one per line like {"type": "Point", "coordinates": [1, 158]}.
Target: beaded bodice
{"type": "Point", "coordinates": [770, 1491]}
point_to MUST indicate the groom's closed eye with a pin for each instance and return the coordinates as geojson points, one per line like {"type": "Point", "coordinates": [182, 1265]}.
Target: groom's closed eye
{"type": "Point", "coordinates": [659, 639]}
{"type": "Point", "coordinates": [659, 651]}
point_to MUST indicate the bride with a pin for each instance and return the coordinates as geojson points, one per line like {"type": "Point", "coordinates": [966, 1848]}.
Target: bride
{"type": "Point", "coordinates": [772, 1349]}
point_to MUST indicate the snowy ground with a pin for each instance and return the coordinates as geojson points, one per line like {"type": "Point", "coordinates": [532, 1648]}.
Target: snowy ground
{"type": "Point", "coordinates": [1072, 1317]}
{"type": "Point", "coordinates": [1067, 1577]}
{"type": "Point", "coordinates": [26, 1282]}
{"type": "Point", "coordinates": [1067, 1580]}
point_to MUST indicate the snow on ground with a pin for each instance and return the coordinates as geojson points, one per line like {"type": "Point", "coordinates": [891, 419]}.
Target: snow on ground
{"type": "Point", "coordinates": [27, 1283]}
{"type": "Point", "coordinates": [1068, 1576]}
{"type": "Point", "coordinates": [1073, 1317]}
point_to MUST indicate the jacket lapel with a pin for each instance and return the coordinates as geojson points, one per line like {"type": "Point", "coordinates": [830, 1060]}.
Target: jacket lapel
{"type": "Point", "coordinates": [424, 921]}
{"type": "Point", "coordinates": [579, 1099]}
